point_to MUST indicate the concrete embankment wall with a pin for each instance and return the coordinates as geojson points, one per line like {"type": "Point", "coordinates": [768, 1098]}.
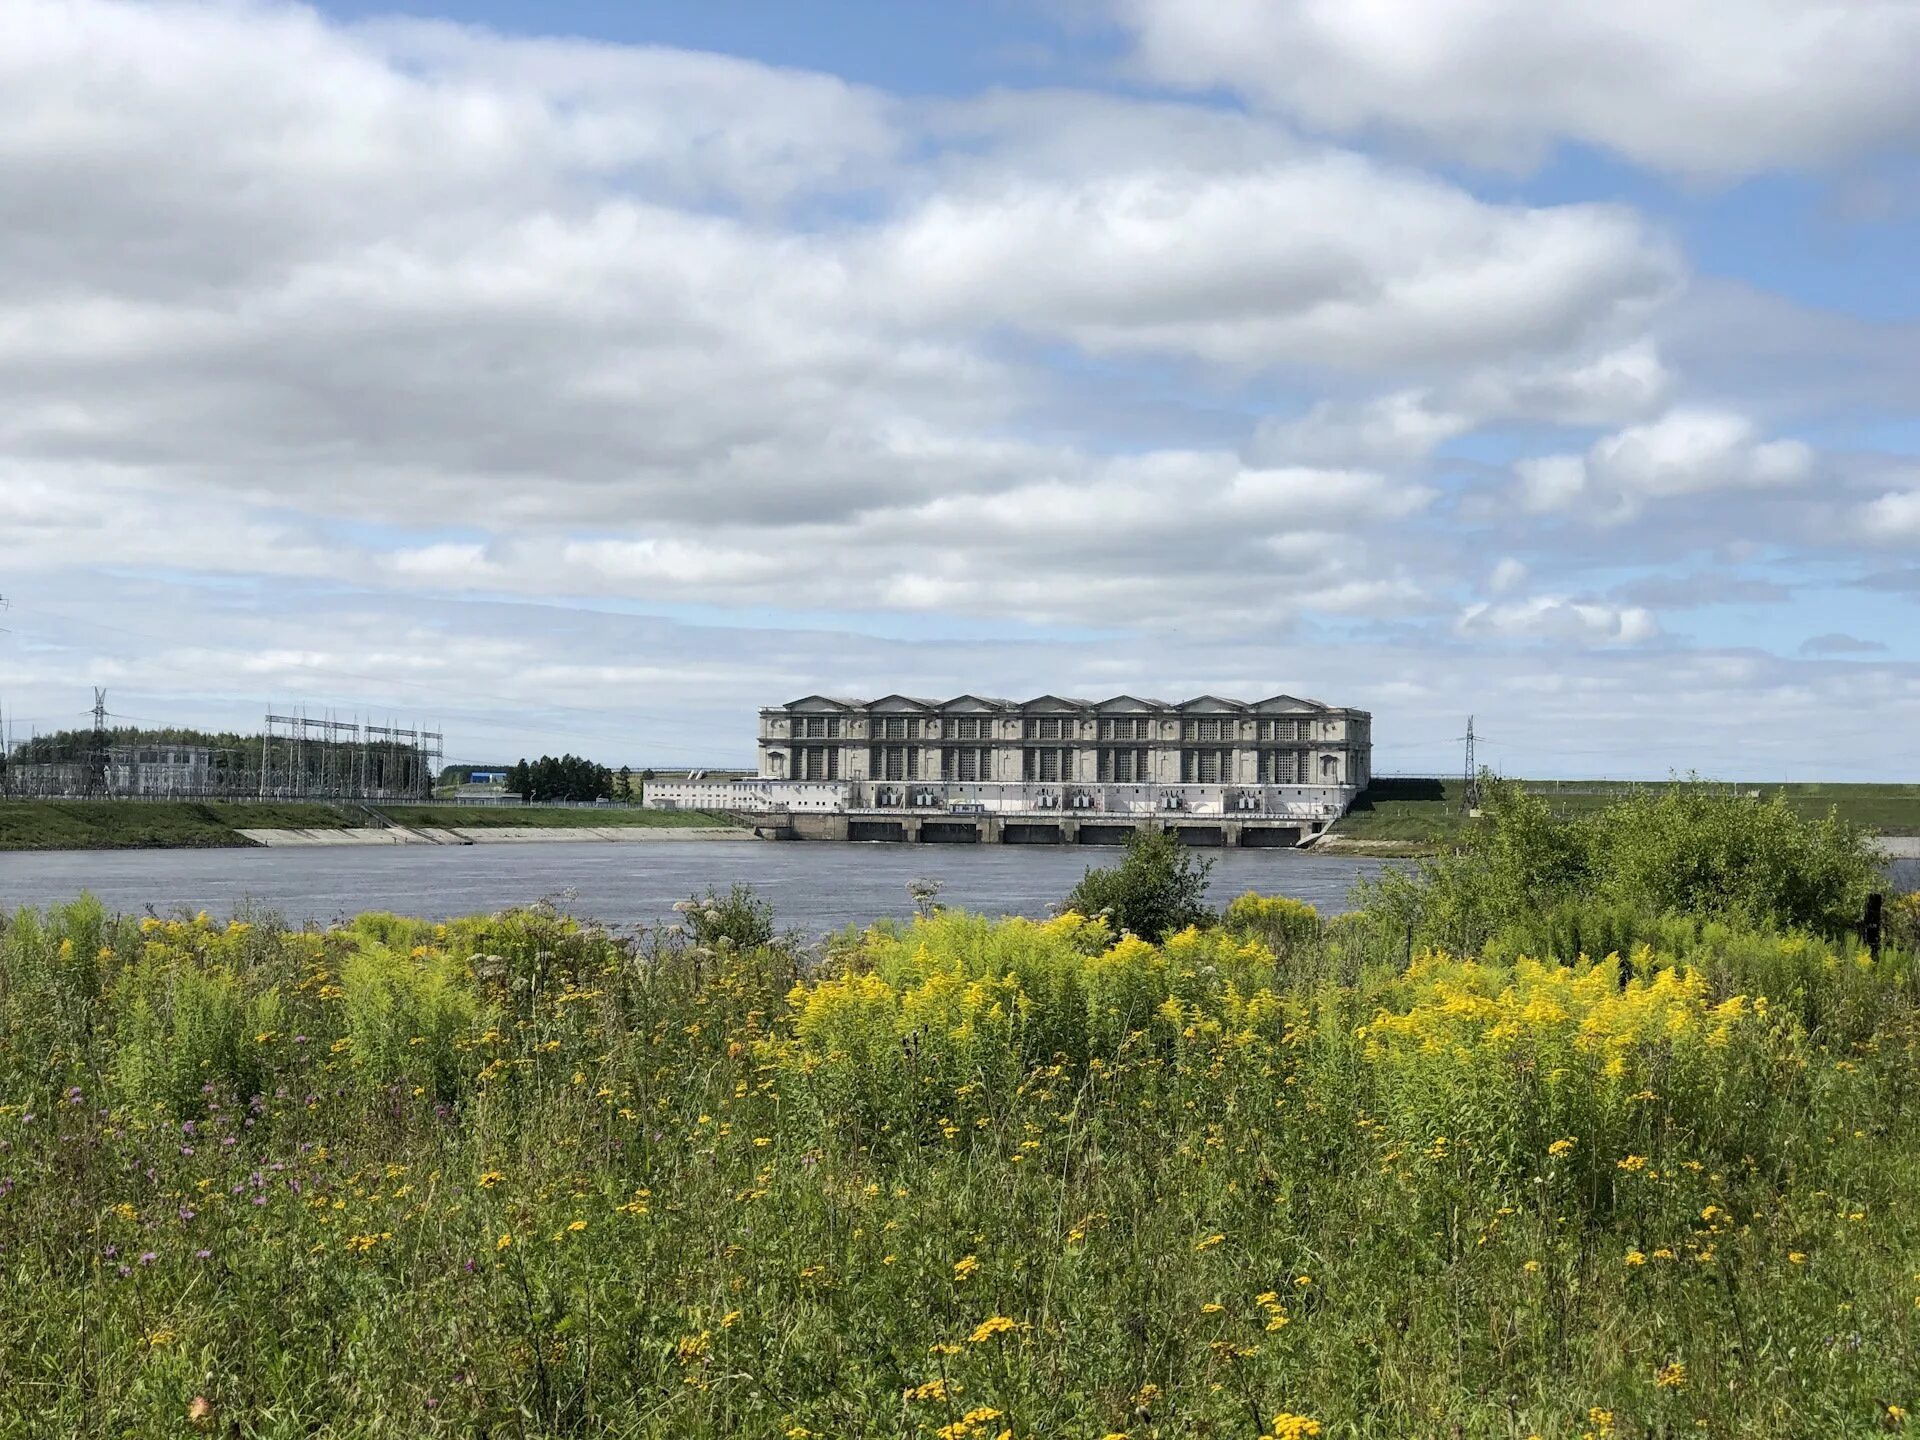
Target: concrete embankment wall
{"type": "Point", "coordinates": [495, 835]}
{"type": "Point", "coordinates": [1900, 847]}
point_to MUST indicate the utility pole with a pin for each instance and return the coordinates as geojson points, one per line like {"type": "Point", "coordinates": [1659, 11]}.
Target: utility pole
{"type": "Point", "coordinates": [1471, 790]}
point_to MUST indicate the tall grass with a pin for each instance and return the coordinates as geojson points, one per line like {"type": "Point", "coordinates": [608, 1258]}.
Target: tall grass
{"type": "Point", "coordinates": [521, 1176]}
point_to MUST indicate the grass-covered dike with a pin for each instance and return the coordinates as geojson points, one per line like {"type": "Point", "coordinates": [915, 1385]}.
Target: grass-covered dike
{"type": "Point", "coordinates": [188, 824]}
{"type": "Point", "coordinates": [1427, 1169]}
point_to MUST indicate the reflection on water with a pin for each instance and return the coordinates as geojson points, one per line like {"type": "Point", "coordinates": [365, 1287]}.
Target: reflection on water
{"type": "Point", "coordinates": [815, 887]}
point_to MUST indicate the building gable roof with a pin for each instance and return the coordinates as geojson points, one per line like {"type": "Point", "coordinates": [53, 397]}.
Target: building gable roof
{"type": "Point", "coordinates": [1212, 702]}
{"type": "Point", "coordinates": [1056, 702]}
{"type": "Point", "coordinates": [1280, 704]}
{"type": "Point", "coordinates": [821, 702]}
{"type": "Point", "coordinates": [976, 702]}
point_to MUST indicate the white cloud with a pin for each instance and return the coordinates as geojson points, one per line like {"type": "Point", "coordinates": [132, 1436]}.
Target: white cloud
{"type": "Point", "coordinates": [1320, 258]}
{"type": "Point", "coordinates": [1551, 482]}
{"type": "Point", "coordinates": [1556, 618]}
{"type": "Point", "coordinates": [1403, 427]}
{"type": "Point", "coordinates": [1508, 575]}
{"type": "Point", "coordinates": [1689, 451]}
{"type": "Point", "coordinates": [1711, 87]}
{"type": "Point", "coordinates": [1892, 519]}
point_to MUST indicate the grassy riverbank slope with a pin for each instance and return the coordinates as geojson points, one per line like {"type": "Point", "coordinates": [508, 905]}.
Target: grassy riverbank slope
{"type": "Point", "coordinates": [174, 825]}
{"type": "Point", "coordinates": [498, 817]}
{"type": "Point", "coordinates": [155, 825]}
{"type": "Point", "coordinates": [1419, 814]}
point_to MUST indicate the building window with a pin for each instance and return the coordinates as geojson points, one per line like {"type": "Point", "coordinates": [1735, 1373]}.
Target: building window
{"type": "Point", "coordinates": [1206, 767]}
{"type": "Point", "coordinates": [965, 765]}
{"type": "Point", "coordinates": [1042, 766]}
{"type": "Point", "coordinates": [894, 762]}
{"type": "Point", "coordinates": [816, 762]}
{"type": "Point", "coordinates": [1123, 767]}
{"type": "Point", "coordinates": [1279, 767]}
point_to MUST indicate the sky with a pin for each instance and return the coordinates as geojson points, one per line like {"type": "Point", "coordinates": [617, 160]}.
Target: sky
{"type": "Point", "coordinates": [584, 375]}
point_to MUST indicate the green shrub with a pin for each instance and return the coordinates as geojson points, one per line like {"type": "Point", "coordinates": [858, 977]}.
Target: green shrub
{"type": "Point", "coordinates": [1682, 849]}
{"type": "Point", "coordinates": [1159, 887]}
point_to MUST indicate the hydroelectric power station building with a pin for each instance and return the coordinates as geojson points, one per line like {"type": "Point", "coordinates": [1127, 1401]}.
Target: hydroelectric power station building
{"type": "Point", "coordinates": [1045, 771]}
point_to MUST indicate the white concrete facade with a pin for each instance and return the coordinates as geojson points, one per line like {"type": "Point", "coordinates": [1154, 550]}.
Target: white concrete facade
{"type": "Point", "coordinates": [1279, 758]}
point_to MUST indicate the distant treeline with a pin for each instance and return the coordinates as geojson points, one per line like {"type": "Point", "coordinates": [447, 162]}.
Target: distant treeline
{"type": "Point", "coordinates": [230, 751]}
{"type": "Point", "coordinates": [570, 777]}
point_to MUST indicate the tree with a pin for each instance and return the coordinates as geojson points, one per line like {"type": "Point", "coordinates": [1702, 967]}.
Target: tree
{"type": "Point", "coordinates": [623, 784]}
{"type": "Point", "coordinates": [1157, 889]}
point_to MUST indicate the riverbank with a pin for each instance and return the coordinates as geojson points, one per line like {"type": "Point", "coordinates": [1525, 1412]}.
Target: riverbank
{"type": "Point", "coordinates": [235, 824]}
{"type": "Point", "coordinates": [495, 835]}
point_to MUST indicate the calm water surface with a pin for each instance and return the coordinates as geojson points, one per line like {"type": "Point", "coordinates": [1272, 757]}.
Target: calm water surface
{"type": "Point", "coordinates": [815, 887]}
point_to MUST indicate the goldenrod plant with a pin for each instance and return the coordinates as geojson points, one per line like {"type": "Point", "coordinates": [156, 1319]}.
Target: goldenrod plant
{"type": "Point", "coordinates": [519, 1175]}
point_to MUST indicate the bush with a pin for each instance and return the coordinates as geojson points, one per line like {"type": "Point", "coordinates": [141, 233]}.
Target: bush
{"type": "Point", "coordinates": [738, 918]}
{"type": "Point", "coordinates": [1682, 849]}
{"type": "Point", "coordinates": [1157, 889]}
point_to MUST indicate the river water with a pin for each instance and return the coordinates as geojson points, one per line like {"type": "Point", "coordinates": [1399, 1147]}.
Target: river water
{"type": "Point", "coordinates": [814, 887]}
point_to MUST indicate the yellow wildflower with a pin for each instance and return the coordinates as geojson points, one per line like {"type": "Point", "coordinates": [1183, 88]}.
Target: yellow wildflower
{"type": "Point", "coordinates": [988, 1328]}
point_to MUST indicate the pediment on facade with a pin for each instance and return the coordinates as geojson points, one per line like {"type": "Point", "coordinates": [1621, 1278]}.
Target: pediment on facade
{"type": "Point", "coordinates": [898, 704]}
{"type": "Point", "coordinates": [974, 705]}
{"type": "Point", "coordinates": [1288, 705]}
{"type": "Point", "coordinates": [1212, 703]}
{"type": "Point", "coordinates": [1130, 704]}
{"type": "Point", "coordinates": [1057, 705]}
{"type": "Point", "coordinates": [820, 702]}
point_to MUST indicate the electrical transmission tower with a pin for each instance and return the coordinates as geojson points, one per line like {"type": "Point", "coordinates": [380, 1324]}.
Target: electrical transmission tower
{"type": "Point", "coordinates": [1471, 790]}
{"type": "Point", "coordinates": [96, 778]}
